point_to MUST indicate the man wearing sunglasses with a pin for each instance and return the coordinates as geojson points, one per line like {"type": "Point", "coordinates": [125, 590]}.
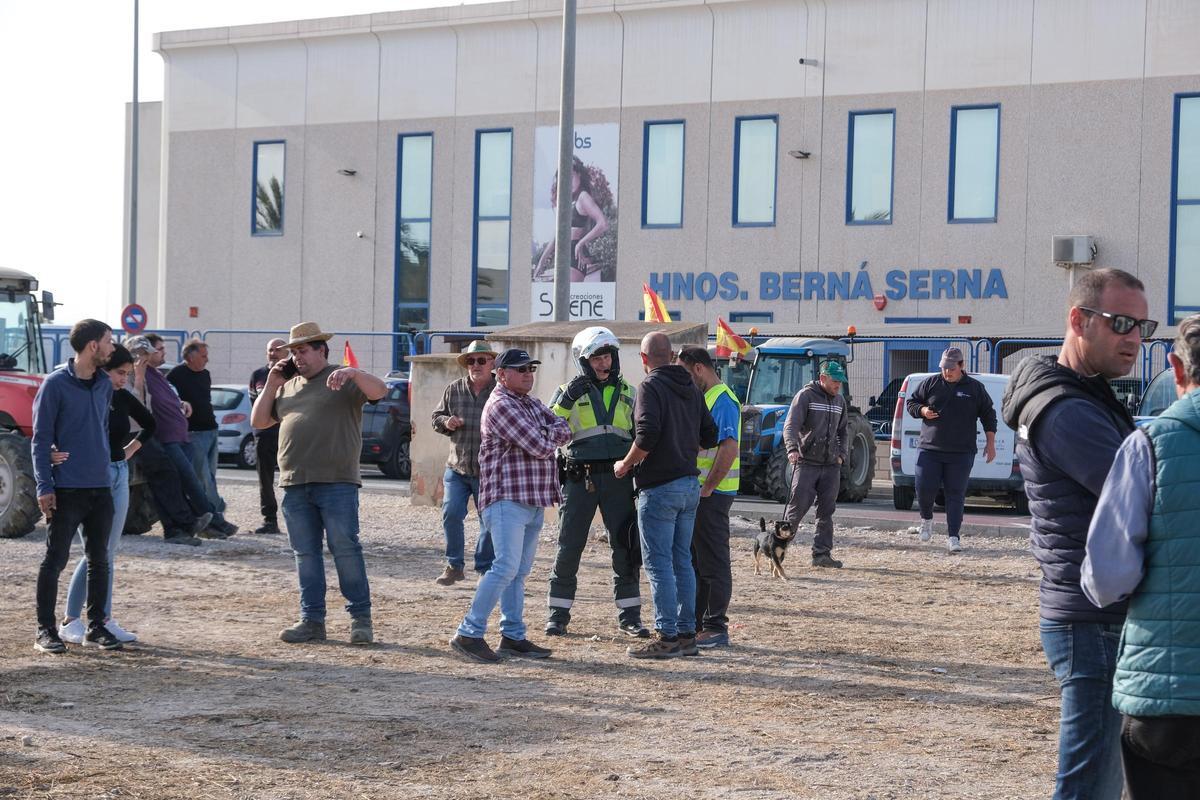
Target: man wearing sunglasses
{"type": "Point", "coordinates": [1069, 426]}
{"type": "Point", "coordinates": [458, 417]}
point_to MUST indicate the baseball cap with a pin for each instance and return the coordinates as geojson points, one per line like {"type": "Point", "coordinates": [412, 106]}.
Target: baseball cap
{"type": "Point", "coordinates": [835, 370]}
{"type": "Point", "coordinates": [951, 357]}
{"type": "Point", "coordinates": [514, 357]}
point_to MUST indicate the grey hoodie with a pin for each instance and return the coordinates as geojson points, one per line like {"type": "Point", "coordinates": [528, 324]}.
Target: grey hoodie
{"type": "Point", "coordinates": [816, 426]}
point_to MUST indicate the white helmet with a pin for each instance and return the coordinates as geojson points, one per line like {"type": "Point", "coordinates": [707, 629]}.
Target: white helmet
{"type": "Point", "coordinates": [589, 341]}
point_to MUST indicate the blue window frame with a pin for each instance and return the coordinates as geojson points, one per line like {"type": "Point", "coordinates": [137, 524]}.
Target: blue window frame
{"type": "Point", "coordinates": [974, 163]}
{"type": "Point", "coordinates": [755, 158]}
{"type": "Point", "coordinates": [414, 230]}
{"type": "Point", "coordinates": [266, 188]}
{"type": "Point", "coordinates": [491, 246]}
{"type": "Point", "coordinates": [675, 315]}
{"type": "Point", "coordinates": [662, 173]}
{"type": "Point", "coordinates": [870, 167]}
{"type": "Point", "coordinates": [1183, 292]}
{"type": "Point", "coordinates": [752, 316]}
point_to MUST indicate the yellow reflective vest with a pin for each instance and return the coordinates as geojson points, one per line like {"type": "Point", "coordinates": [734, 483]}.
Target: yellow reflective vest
{"type": "Point", "coordinates": [601, 423]}
{"type": "Point", "coordinates": [707, 458]}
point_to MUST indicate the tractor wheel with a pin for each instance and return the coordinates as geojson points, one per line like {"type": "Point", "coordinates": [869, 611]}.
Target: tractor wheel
{"type": "Point", "coordinates": [19, 510]}
{"type": "Point", "coordinates": [860, 472]}
{"type": "Point", "coordinates": [778, 476]}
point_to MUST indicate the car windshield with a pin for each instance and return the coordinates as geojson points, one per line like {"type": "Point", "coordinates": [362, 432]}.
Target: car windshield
{"type": "Point", "coordinates": [735, 375]}
{"type": "Point", "coordinates": [1159, 395]}
{"type": "Point", "coordinates": [225, 399]}
{"type": "Point", "coordinates": [778, 378]}
{"type": "Point", "coordinates": [20, 336]}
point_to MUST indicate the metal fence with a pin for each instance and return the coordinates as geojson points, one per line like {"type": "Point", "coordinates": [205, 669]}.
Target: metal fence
{"type": "Point", "coordinates": [58, 348]}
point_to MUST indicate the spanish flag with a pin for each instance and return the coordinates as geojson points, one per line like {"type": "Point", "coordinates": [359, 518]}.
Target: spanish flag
{"type": "Point", "coordinates": [656, 309]}
{"type": "Point", "coordinates": [729, 342]}
{"type": "Point", "coordinates": [348, 359]}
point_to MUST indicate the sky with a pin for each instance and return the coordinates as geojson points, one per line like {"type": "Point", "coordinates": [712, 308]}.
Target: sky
{"type": "Point", "coordinates": [66, 73]}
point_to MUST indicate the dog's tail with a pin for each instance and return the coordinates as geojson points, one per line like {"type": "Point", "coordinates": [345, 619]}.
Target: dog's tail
{"type": "Point", "coordinates": [762, 524]}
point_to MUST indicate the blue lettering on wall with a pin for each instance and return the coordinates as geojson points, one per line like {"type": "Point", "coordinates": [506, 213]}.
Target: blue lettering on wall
{"type": "Point", "coordinates": [682, 285]}
{"type": "Point", "coordinates": [768, 286]}
{"type": "Point", "coordinates": [791, 285]}
{"type": "Point", "coordinates": [995, 285]}
{"type": "Point", "coordinates": [706, 286]}
{"type": "Point", "coordinates": [943, 284]}
{"type": "Point", "coordinates": [814, 286]}
{"type": "Point", "coordinates": [837, 285]}
{"type": "Point", "coordinates": [918, 284]}
{"type": "Point", "coordinates": [660, 283]}
{"type": "Point", "coordinates": [862, 284]}
{"type": "Point", "coordinates": [968, 283]}
{"type": "Point", "coordinates": [729, 286]}
{"type": "Point", "coordinates": [898, 289]}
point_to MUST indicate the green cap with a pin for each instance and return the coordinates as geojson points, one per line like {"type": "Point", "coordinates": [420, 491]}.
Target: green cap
{"type": "Point", "coordinates": [835, 370]}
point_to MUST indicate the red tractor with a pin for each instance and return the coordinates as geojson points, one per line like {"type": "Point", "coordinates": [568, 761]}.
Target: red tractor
{"type": "Point", "coordinates": [22, 369]}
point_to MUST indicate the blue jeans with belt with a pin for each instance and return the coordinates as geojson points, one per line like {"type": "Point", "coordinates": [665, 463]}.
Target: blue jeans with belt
{"type": "Point", "coordinates": [317, 513]}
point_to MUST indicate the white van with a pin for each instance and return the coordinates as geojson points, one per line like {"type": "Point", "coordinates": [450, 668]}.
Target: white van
{"type": "Point", "coordinates": [1000, 479]}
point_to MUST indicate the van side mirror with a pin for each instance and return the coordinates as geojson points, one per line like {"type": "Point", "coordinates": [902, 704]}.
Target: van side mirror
{"type": "Point", "coordinates": [48, 306]}
{"type": "Point", "coordinates": [873, 401]}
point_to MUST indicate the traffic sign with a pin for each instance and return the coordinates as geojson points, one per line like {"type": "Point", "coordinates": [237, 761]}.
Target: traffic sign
{"type": "Point", "coordinates": [133, 319]}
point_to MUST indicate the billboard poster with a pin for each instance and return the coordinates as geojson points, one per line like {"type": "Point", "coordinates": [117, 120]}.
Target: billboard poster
{"type": "Point", "coordinates": [593, 222]}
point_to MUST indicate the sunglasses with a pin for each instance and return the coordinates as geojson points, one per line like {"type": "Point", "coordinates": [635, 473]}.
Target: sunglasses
{"type": "Point", "coordinates": [478, 362]}
{"type": "Point", "coordinates": [525, 368]}
{"type": "Point", "coordinates": [1122, 324]}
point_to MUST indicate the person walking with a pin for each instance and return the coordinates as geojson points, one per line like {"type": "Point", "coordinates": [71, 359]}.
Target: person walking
{"type": "Point", "coordinates": [193, 383]}
{"type": "Point", "coordinates": [815, 437]}
{"type": "Point", "coordinates": [70, 415]}
{"type": "Point", "coordinates": [948, 405]}
{"type": "Point", "coordinates": [319, 412]}
{"type": "Point", "coordinates": [517, 481]}
{"type": "Point", "coordinates": [720, 471]}
{"type": "Point", "coordinates": [672, 424]}
{"type": "Point", "coordinates": [122, 445]}
{"type": "Point", "coordinates": [1069, 425]}
{"type": "Point", "coordinates": [598, 406]}
{"type": "Point", "coordinates": [1142, 546]}
{"type": "Point", "coordinates": [458, 417]}
{"type": "Point", "coordinates": [266, 443]}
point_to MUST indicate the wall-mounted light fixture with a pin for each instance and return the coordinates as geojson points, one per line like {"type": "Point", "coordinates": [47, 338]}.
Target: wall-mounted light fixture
{"type": "Point", "coordinates": [348, 172]}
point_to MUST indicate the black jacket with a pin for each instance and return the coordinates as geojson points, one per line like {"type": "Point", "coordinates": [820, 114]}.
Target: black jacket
{"type": "Point", "coordinates": [958, 405]}
{"type": "Point", "coordinates": [672, 423]}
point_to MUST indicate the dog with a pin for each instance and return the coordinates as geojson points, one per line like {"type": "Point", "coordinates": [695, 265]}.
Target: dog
{"type": "Point", "coordinates": [774, 544]}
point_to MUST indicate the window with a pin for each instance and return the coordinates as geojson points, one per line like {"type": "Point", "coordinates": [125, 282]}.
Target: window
{"type": "Point", "coordinates": [974, 163]}
{"type": "Point", "coordinates": [493, 223]}
{"type": "Point", "coordinates": [752, 316]}
{"type": "Point", "coordinates": [869, 172]}
{"type": "Point", "coordinates": [414, 201]}
{"type": "Point", "coordinates": [675, 315]}
{"type": "Point", "coordinates": [754, 151]}
{"type": "Point", "coordinates": [1185, 209]}
{"type": "Point", "coordinates": [662, 175]}
{"type": "Point", "coordinates": [267, 189]}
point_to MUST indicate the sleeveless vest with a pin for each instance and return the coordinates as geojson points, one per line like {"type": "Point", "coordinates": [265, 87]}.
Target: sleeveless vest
{"type": "Point", "coordinates": [707, 458]}
{"type": "Point", "coordinates": [601, 423]}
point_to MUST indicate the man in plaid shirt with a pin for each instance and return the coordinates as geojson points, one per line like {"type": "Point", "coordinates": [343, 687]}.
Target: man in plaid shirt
{"type": "Point", "coordinates": [518, 478]}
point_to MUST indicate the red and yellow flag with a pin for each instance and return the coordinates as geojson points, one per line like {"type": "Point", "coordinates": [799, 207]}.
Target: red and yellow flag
{"type": "Point", "coordinates": [656, 309]}
{"type": "Point", "coordinates": [348, 359]}
{"type": "Point", "coordinates": [729, 342]}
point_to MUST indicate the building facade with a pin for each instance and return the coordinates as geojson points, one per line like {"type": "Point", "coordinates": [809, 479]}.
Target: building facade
{"type": "Point", "coordinates": [793, 164]}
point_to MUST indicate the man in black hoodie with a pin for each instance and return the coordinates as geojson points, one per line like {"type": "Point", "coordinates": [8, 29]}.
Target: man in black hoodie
{"type": "Point", "coordinates": [671, 425]}
{"type": "Point", "coordinates": [1069, 426]}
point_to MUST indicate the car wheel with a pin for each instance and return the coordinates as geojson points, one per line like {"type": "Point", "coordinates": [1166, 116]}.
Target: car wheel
{"type": "Point", "coordinates": [902, 497]}
{"type": "Point", "coordinates": [247, 456]}
{"type": "Point", "coordinates": [399, 464]}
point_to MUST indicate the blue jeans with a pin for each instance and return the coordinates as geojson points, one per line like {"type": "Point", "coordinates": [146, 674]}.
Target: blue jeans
{"type": "Point", "coordinates": [1083, 656]}
{"type": "Point", "coordinates": [118, 478]}
{"type": "Point", "coordinates": [320, 512]}
{"type": "Point", "coordinates": [180, 454]}
{"type": "Point", "coordinates": [514, 528]}
{"type": "Point", "coordinates": [204, 464]}
{"type": "Point", "coordinates": [666, 516]}
{"type": "Point", "coordinates": [458, 489]}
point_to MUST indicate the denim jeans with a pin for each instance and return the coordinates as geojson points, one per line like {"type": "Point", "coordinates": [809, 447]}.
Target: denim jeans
{"type": "Point", "coordinates": [666, 516]}
{"type": "Point", "coordinates": [118, 475]}
{"type": "Point", "coordinates": [1083, 657]}
{"type": "Point", "coordinates": [326, 512]}
{"type": "Point", "coordinates": [93, 509]}
{"type": "Point", "coordinates": [204, 464]}
{"type": "Point", "coordinates": [458, 489]}
{"type": "Point", "coordinates": [514, 528]}
{"type": "Point", "coordinates": [180, 454]}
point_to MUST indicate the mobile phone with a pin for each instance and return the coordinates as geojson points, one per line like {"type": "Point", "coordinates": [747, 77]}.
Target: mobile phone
{"type": "Point", "coordinates": [289, 368]}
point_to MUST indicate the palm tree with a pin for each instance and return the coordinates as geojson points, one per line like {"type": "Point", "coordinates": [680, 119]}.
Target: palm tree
{"type": "Point", "coordinates": [269, 208]}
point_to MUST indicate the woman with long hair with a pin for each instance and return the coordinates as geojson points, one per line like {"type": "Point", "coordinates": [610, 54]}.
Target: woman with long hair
{"type": "Point", "coordinates": [584, 209]}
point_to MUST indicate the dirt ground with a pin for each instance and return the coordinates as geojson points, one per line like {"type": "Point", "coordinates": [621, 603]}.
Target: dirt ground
{"type": "Point", "coordinates": [909, 673]}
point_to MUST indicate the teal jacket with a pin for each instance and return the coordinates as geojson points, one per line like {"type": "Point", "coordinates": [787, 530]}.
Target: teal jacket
{"type": "Point", "coordinates": [1158, 666]}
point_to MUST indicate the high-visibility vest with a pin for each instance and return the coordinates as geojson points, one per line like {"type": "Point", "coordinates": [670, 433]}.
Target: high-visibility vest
{"type": "Point", "coordinates": [601, 423]}
{"type": "Point", "coordinates": [707, 458]}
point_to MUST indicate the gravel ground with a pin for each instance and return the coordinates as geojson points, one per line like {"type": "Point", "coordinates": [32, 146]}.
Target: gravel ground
{"type": "Point", "coordinates": [910, 673]}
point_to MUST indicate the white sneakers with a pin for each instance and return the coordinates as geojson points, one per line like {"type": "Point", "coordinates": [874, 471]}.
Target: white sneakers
{"type": "Point", "coordinates": [926, 529]}
{"type": "Point", "coordinates": [953, 545]}
{"type": "Point", "coordinates": [73, 632]}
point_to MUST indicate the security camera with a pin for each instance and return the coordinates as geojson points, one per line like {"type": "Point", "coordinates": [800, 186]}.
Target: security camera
{"type": "Point", "coordinates": [359, 234]}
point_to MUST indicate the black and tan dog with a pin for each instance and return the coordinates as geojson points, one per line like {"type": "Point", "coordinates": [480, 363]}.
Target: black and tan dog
{"type": "Point", "coordinates": [773, 544]}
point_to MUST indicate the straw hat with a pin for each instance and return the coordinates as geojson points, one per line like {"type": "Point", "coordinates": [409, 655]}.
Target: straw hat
{"type": "Point", "coordinates": [475, 348]}
{"type": "Point", "coordinates": [307, 332]}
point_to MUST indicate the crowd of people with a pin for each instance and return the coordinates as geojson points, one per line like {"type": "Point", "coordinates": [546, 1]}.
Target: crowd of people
{"type": "Point", "coordinates": [1113, 506]}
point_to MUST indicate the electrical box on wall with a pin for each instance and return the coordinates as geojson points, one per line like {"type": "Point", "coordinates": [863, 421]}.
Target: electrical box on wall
{"type": "Point", "coordinates": [1073, 250]}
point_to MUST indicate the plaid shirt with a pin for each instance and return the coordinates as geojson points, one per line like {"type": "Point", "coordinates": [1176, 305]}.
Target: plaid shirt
{"type": "Point", "coordinates": [459, 401]}
{"type": "Point", "coordinates": [516, 455]}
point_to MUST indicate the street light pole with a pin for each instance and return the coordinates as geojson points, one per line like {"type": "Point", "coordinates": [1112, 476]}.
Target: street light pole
{"type": "Point", "coordinates": [133, 168]}
{"type": "Point", "coordinates": [563, 246]}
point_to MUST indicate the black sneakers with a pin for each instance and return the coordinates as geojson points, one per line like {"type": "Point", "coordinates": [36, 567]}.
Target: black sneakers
{"type": "Point", "coordinates": [476, 649]}
{"type": "Point", "coordinates": [556, 628]}
{"type": "Point", "coordinates": [268, 526]}
{"type": "Point", "coordinates": [522, 648]}
{"type": "Point", "coordinates": [102, 637]}
{"type": "Point", "coordinates": [47, 641]}
{"type": "Point", "coordinates": [635, 629]}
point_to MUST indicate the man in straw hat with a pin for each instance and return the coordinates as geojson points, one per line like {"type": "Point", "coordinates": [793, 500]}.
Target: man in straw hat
{"type": "Point", "coordinates": [318, 407]}
{"type": "Point", "coordinates": [458, 417]}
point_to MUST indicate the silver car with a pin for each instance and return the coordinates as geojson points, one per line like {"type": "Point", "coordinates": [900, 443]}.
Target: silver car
{"type": "Point", "coordinates": [235, 437]}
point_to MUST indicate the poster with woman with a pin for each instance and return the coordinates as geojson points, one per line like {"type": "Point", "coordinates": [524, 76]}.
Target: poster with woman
{"type": "Point", "coordinates": [593, 221]}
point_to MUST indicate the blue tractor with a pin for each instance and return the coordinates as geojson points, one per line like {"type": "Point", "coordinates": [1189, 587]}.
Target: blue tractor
{"type": "Point", "coordinates": [780, 368]}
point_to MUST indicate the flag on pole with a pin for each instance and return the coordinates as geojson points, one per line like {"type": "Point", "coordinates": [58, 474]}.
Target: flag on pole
{"type": "Point", "coordinates": [729, 342]}
{"type": "Point", "coordinates": [348, 359]}
{"type": "Point", "coordinates": [656, 309]}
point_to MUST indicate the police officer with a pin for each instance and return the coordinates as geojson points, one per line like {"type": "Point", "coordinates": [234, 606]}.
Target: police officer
{"type": "Point", "coordinates": [598, 406]}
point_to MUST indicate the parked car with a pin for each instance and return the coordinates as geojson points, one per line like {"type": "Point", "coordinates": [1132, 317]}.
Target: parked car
{"type": "Point", "coordinates": [880, 409]}
{"type": "Point", "coordinates": [1159, 395]}
{"type": "Point", "coordinates": [1000, 479]}
{"type": "Point", "coordinates": [387, 431]}
{"type": "Point", "coordinates": [235, 437]}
